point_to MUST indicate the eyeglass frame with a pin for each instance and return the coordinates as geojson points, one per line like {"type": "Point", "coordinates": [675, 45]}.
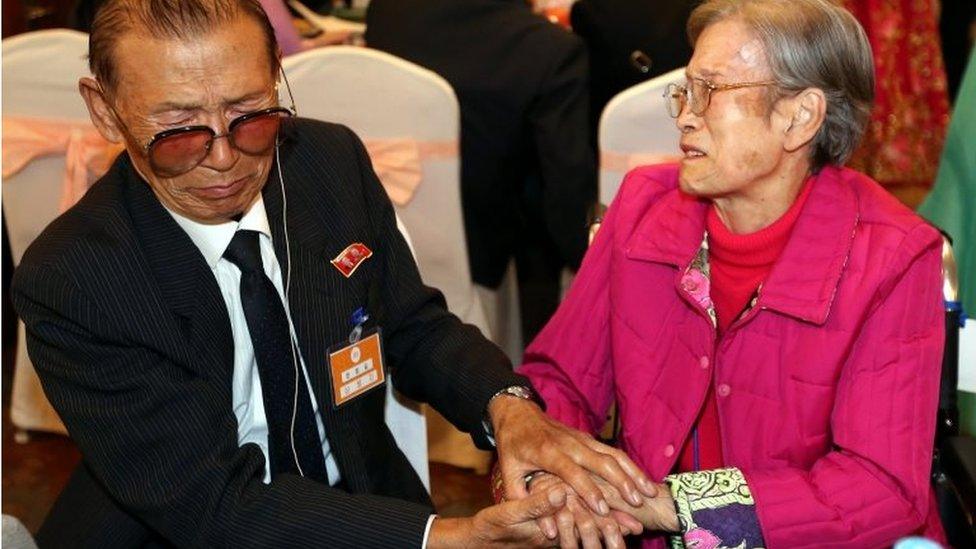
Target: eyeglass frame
{"type": "Point", "coordinates": [291, 110]}
{"type": "Point", "coordinates": [710, 86]}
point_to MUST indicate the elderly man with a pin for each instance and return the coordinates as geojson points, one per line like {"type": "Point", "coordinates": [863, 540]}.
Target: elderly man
{"type": "Point", "coordinates": [216, 319]}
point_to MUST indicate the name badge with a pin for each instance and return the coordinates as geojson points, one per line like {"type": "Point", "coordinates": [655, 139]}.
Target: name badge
{"type": "Point", "coordinates": [357, 368]}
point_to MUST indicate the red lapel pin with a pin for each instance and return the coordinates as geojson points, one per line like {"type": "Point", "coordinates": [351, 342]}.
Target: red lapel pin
{"type": "Point", "coordinates": [349, 259]}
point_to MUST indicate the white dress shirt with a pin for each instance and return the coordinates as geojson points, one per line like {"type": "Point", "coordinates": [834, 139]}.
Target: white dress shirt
{"type": "Point", "coordinates": [212, 240]}
{"type": "Point", "coordinates": [252, 425]}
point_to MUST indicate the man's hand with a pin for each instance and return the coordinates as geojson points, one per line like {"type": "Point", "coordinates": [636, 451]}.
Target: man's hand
{"type": "Point", "coordinates": [509, 524]}
{"type": "Point", "coordinates": [576, 523]}
{"type": "Point", "coordinates": [528, 440]}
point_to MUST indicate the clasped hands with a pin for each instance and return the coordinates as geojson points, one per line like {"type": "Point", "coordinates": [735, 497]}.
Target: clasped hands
{"type": "Point", "coordinates": [589, 493]}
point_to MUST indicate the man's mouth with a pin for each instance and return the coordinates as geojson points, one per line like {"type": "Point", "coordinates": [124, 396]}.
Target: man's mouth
{"type": "Point", "coordinates": [223, 190]}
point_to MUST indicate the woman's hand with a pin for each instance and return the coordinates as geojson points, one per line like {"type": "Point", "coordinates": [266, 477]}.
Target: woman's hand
{"type": "Point", "coordinates": [657, 513]}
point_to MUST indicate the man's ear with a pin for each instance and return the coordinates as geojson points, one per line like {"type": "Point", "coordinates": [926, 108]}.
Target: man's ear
{"type": "Point", "coordinates": [808, 108]}
{"type": "Point", "coordinates": [102, 116]}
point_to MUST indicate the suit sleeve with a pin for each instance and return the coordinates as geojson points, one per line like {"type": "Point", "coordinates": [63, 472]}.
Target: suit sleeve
{"type": "Point", "coordinates": [559, 118]}
{"type": "Point", "coordinates": [161, 440]}
{"type": "Point", "coordinates": [438, 359]}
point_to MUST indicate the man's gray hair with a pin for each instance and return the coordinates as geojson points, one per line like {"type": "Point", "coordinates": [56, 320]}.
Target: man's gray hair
{"type": "Point", "coordinates": [167, 19]}
{"type": "Point", "coordinates": [809, 44]}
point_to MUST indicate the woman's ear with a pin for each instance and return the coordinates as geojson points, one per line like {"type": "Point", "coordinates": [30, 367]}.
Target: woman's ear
{"type": "Point", "coordinates": [809, 108]}
{"type": "Point", "coordinates": [102, 115]}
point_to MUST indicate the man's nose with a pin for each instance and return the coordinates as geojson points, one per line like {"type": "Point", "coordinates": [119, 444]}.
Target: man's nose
{"type": "Point", "coordinates": [223, 155]}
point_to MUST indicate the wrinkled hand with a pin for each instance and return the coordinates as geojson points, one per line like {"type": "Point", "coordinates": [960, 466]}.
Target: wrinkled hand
{"type": "Point", "coordinates": [575, 522]}
{"type": "Point", "coordinates": [509, 524]}
{"type": "Point", "coordinates": [657, 513]}
{"type": "Point", "coordinates": [528, 440]}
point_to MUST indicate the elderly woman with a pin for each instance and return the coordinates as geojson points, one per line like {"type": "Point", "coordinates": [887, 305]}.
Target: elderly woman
{"type": "Point", "coordinates": [767, 322]}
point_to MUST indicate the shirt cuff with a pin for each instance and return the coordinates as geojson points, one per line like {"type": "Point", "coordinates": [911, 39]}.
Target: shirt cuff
{"type": "Point", "coordinates": [430, 522]}
{"type": "Point", "coordinates": [715, 509]}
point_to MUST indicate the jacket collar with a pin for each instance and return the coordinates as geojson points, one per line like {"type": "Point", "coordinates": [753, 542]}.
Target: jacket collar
{"type": "Point", "coordinates": [803, 281]}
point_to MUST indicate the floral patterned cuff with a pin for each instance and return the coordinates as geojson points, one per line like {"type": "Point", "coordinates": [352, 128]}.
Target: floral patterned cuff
{"type": "Point", "coordinates": [715, 510]}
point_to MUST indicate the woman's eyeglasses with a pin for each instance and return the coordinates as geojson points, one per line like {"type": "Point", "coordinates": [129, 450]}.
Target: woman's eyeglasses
{"type": "Point", "coordinates": [697, 94]}
{"type": "Point", "coordinates": [176, 151]}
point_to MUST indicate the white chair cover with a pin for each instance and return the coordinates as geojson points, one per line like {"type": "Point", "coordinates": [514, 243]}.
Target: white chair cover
{"type": "Point", "coordinates": [15, 534]}
{"type": "Point", "coordinates": [382, 97]}
{"type": "Point", "coordinates": [635, 129]}
{"type": "Point", "coordinates": [40, 79]}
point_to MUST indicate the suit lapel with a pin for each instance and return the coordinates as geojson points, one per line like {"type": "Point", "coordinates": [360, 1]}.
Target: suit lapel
{"type": "Point", "coordinates": [188, 286]}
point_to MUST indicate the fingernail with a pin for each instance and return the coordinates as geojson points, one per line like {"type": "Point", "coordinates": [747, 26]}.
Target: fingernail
{"type": "Point", "coordinates": [604, 508]}
{"type": "Point", "coordinates": [636, 498]}
{"type": "Point", "coordinates": [555, 496]}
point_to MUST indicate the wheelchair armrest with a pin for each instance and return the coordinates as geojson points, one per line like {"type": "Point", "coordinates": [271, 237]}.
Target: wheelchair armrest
{"type": "Point", "coordinates": [958, 458]}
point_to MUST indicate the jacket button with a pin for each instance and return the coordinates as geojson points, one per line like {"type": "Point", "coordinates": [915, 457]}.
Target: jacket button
{"type": "Point", "coordinates": [669, 450]}
{"type": "Point", "coordinates": [703, 362]}
{"type": "Point", "coordinates": [724, 390]}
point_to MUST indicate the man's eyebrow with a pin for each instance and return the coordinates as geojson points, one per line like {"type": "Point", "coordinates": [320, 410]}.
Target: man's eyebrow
{"type": "Point", "coordinates": [247, 97]}
{"type": "Point", "coordinates": [170, 106]}
{"type": "Point", "coordinates": [175, 106]}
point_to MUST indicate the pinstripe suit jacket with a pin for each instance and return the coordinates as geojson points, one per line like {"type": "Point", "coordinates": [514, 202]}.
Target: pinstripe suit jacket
{"type": "Point", "coordinates": [131, 339]}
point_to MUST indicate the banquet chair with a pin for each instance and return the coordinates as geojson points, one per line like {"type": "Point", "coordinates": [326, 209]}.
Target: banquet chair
{"type": "Point", "coordinates": [31, 196]}
{"type": "Point", "coordinates": [635, 129]}
{"type": "Point", "coordinates": [409, 120]}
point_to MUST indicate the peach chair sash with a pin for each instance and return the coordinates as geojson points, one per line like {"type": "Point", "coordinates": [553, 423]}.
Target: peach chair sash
{"type": "Point", "coordinates": [398, 163]}
{"type": "Point", "coordinates": [87, 154]}
{"type": "Point", "coordinates": [624, 162]}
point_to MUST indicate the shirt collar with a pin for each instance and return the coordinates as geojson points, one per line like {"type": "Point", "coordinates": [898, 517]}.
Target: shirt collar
{"type": "Point", "coordinates": [213, 239]}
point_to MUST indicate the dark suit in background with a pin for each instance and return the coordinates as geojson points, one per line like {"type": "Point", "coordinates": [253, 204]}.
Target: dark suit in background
{"type": "Point", "coordinates": [132, 341]}
{"type": "Point", "coordinates": [528, 172]}
{"type": "Point", "coordinates": [615, 29]}
{"type": "Point", "coordinates": [957, 28]}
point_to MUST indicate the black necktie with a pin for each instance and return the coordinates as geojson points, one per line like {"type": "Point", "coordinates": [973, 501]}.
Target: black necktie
{"type": "Point", "coordinates": [268, 325]}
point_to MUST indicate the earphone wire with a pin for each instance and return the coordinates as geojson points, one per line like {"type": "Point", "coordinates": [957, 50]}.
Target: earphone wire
{"type": "Point", "coordinates": [291, 335]}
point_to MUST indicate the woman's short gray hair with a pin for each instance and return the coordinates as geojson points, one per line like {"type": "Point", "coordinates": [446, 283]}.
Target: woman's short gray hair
{"type": "Point", "coordinates": [809, 44]}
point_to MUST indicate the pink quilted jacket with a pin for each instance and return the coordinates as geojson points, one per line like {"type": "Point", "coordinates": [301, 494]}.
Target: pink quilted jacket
{"type": "Point", "coordinates": [827, 388]}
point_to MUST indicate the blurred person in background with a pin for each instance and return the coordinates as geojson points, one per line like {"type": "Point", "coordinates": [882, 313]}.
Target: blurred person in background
{"type": "Point", "coordinates": [957, 27]}
{"type": "Point", "coordinates": [629, 42]}
{"type": "Point", "coordinates": [528, 170]}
